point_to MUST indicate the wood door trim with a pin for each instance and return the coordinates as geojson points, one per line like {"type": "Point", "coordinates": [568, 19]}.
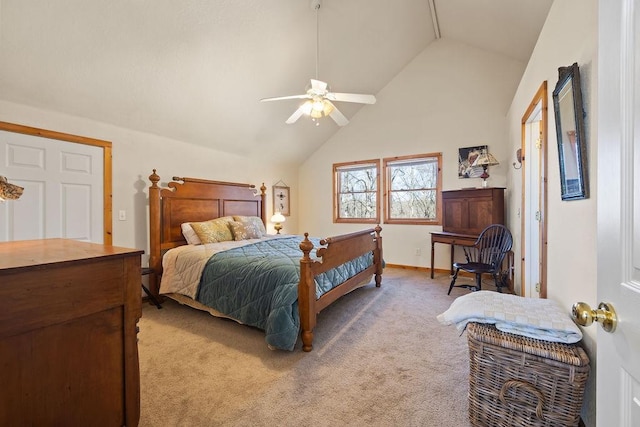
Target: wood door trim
{"type": "Point", "coordinates": [106, 160]}
{"type": "Point", "coordinates": [541, 96]}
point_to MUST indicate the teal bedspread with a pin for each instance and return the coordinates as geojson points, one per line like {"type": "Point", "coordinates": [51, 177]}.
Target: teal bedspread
{"type": "Point", "coordinates": [257, 284]}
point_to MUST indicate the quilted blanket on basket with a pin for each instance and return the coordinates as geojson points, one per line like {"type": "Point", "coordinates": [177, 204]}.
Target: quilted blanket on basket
{"type": "Point", "coordinates": [537, 318]}
{"type": "Point", "coordinates": [257, 285]}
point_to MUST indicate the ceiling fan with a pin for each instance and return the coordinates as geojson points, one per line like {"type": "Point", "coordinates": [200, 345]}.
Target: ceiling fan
{"type": "Point", "coordinates": [319, 99]}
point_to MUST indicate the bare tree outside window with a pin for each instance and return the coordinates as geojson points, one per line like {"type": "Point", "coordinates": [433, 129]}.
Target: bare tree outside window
{"type": "Point", "coordinates": [412, 185]}
{"type": "Point", "coordinates": [357, 191]}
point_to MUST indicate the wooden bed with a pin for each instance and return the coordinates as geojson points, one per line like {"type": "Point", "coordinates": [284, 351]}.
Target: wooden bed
{"type": "Point", "coordinates": [191, 200]}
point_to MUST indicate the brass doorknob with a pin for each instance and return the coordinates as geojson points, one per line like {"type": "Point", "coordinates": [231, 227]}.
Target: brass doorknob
{"type": "Point", "coordinates": [583, 315]}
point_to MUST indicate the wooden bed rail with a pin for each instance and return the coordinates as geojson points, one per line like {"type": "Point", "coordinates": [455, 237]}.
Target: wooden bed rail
{"type": "Point", "coordinates": [208, 181]}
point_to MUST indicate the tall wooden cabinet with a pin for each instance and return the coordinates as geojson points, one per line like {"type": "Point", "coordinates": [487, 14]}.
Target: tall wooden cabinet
{"type": "Point", "coordinates": [470, 211]}
{"type": "Point", "coordinates": [68, 344]}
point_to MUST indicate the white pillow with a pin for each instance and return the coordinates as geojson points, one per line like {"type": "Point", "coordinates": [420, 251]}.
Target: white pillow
{"type": "Point", "coordinates": [190, 234]}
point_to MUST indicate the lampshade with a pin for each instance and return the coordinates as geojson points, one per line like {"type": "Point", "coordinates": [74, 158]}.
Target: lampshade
{"type": "Point", "coordinates": [317, 108]}
{"type": "Point", "coordinates": [278, 217]}
{"type": "Point", "coordinates": [485, 159]}
{"type": "Point", "coordinates": [9, 191]}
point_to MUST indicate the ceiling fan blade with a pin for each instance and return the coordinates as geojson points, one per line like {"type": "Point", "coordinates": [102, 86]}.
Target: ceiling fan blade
{"type": "Point", "coordinates": [279, 98]}
{"type": "Point", "coordinates": [337, 116]}
{"type": "Point", "coordinates": [352, 97]}
{"type": "Point", "coordinates": [318, 86]}
{"type": "Point", "coordinates": [296, 115]}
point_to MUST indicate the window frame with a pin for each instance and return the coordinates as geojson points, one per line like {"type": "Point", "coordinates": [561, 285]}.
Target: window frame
{"type": "Point", "coordinates": [386, 162]}
{"type": "Point", "coordinates": [336, 168]}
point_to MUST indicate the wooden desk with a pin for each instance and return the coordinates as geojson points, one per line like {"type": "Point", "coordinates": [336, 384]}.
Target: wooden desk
{"type": "Point", "coordinates": [452, 239]}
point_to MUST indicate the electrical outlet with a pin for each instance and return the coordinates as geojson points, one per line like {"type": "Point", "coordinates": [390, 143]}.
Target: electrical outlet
{"type": "Point", "coordinates": [538, 287]}
{"type": "Point", "coordinates": [418, 252]}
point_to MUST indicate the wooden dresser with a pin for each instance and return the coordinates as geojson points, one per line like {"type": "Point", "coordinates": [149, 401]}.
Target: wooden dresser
{"type": "Point", "coordinates": [68, 344]}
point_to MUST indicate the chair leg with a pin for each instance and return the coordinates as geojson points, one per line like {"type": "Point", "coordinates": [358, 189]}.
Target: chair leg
{"type": "Point", "coordinates": [498, 281]}
{"type": "Point", "coordinates": [478, 281]}
{"type": "Point", "coordinates": [453, 280]}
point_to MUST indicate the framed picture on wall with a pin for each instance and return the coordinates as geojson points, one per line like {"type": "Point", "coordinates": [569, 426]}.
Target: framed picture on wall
{"type": "Point", "coordinates": [281, 201]}
{"type": "Point", "coordinates": [466, 157]}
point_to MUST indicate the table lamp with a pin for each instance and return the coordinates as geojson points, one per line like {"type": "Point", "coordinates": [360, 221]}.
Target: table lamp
{"type": "Point", "coordinates": [485, 160]}
{"type": "Point", "coordinates": [277, 220]}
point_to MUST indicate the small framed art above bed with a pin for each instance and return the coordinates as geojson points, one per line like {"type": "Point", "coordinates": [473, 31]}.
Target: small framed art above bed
{"type": "Point", "coordinates": [209, 249]}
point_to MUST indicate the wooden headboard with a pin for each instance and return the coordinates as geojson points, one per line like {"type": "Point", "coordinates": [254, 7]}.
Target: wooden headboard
{"type": "Point", "coordinates": [191, 200]}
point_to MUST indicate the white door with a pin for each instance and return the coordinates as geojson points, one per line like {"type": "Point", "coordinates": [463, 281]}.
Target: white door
{"type": "Point", "coordinates": [63, 189]}
{"type": "Point", "coordinates": [618, 353]}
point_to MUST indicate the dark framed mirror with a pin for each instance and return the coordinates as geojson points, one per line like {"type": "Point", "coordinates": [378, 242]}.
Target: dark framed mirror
{"type": "Point", "coordinates": [572, 150]}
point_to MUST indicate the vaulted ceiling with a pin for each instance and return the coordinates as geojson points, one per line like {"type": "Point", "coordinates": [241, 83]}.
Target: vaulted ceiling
{"type": "Point", "coordinates": [195, 70]}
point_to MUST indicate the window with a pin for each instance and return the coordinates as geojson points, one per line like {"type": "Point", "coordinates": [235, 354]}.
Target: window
{"type": "Point", "coordinates": [357, 191]}
{"type": "Point", "coordinates": [412, 189]}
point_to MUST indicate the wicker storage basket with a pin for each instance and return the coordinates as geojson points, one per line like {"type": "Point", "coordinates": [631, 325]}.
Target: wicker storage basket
{"type": "Point", "coordinates": [520, 381]}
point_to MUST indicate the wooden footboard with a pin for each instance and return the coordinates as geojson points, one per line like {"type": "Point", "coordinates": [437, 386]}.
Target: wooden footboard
{"type": "Point", "coordinates": [338, 250]}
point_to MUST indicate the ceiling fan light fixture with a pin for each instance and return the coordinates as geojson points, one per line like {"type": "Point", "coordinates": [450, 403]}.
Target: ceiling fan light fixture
{"type": "Point", "coordinates": [307, 107]}
{"type": "Point", "coordinates": [315, 114]}
{"type": "Point", "coordinates": [328, 108]}
{"type": "Point", "coordinates": [320, 108]}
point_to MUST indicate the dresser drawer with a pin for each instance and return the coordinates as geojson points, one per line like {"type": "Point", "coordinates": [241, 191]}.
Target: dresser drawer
{"type": "Point", "coordinates": [43, 297]}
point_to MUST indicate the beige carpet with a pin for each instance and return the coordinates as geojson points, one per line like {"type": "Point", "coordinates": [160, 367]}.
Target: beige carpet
{"type": "Point", "coordinates": [380, 358]}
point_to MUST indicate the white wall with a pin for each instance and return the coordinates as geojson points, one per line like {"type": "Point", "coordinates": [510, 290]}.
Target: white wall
{"type": "Point", "coordinates": [135, 154]}
{"type": "Point", "coordinates": [569, 35]}
{"type": "Point", "coordinates": [450, 96]}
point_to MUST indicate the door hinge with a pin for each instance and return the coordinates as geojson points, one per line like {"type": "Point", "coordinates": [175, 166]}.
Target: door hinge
{"type": "Point", "coordinates": [538, 216]}
{"type": "Point", "coordinates": [539, 143]}
{"type": "Point", "coordinates": [538, 287]}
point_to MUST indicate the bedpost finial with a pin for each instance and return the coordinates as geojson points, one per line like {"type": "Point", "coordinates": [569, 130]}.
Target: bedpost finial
{"type": "Point", "coordinates": [306, 246]}
{"type": "Point", "coordinates": [263, 189]}
{"type": "Point", "coordinates": [154, 178]}
{"type": "Point", "coordinates": [378, 229]}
